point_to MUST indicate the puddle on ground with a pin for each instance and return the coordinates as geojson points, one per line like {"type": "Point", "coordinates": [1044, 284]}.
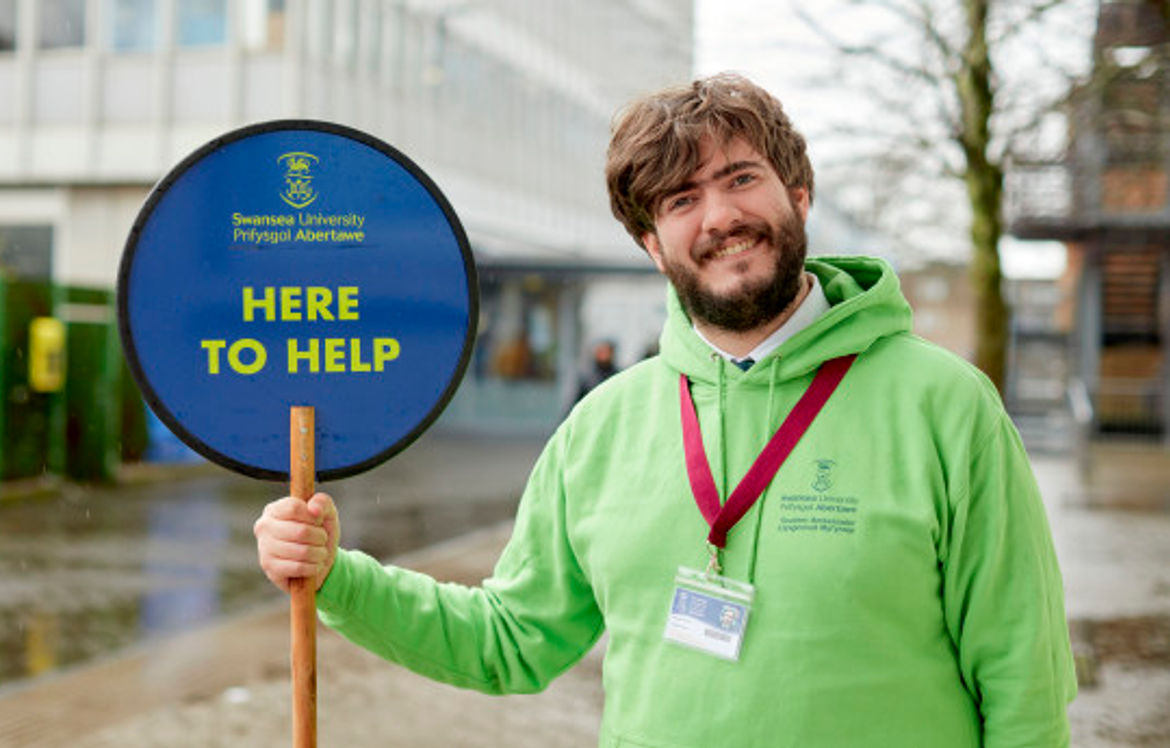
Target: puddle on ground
{"type": "Point", "coordinates": [1131, 640]}
{"type": "Point", "coordinates": [93, 571]}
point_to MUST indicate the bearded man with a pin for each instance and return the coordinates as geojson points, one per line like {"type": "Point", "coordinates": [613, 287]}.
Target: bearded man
{"type": "Point", "coordinates": [799, 525]}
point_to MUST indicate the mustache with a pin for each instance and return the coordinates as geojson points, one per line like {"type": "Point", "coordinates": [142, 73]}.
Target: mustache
{"type": "Point", "coordinates": [713, 243]}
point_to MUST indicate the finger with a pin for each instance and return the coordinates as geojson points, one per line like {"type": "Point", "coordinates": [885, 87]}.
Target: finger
{"type": "Point", "coordinates": [295, 532]}
{"type": "Point", "coordinates": [292, 509]}
{"type": "Point", "coordinates": [282, 561]}
{"type": "Point", "coordinates": [288, 521]}
{"type": "Point", "coordinates": [321, 505]}
{"type": "Point", "coordinates": [281, 572]}
{"type": "Point", "coordinates": [331, 524]}
{"type": "Point", "coordinates": [279, 550]}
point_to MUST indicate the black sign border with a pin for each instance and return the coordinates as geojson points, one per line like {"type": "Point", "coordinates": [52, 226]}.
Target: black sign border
{"type": "Point", "coordinates": [160, 190]}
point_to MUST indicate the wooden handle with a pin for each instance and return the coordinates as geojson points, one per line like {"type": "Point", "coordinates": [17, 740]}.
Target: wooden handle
{"type": "Point", "coordinates": [303, 600]}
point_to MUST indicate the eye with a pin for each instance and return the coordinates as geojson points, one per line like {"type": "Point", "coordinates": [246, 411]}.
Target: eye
{"type": "Point", "coordinates": [678, 202]}
{"type": "Point", "coordinates": [743, 178]}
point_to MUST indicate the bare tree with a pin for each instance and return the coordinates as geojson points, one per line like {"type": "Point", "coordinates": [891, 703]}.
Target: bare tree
{"type": "Point", "coordinates": [955, 86]}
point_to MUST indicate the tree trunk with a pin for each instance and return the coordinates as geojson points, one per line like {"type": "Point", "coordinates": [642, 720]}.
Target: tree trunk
{"type": "Point", "coordinates": [984, 181]}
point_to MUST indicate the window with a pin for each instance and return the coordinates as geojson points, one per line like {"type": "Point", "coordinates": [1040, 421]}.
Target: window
{"type": "Point", "coordinates": [371, 41]}
{"type": "Point", "coordinates": [319, 29]}
{"type": "Point", "coordinates": [132, 25]}
{"type": "Point", "coordinates": [202, 22]}
{"type": "Point", "coordinates": [62, 24]}
{"type": "Point", "coordinates": [345, 34]}
{"type": "Point", "coordinates": [7, 25]}
{"type": "Point", "coordinates": [263, 24]}
{"type": "Point", "coordinates": [26, 252]}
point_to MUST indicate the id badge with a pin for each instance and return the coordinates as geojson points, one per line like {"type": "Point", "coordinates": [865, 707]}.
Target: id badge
{"type": "Point", "coordinates": [709, 613]}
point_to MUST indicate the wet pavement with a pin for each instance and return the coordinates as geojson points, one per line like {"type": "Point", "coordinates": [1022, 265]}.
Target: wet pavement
{"type": "Point", "coordinates": [158, 582]}
{"type": "Point", "coordinates": [1110, 517]}
{"type": "Point", "coordinates": [91, 571]}
{"type": "Point", "coordinates": [87, 571]}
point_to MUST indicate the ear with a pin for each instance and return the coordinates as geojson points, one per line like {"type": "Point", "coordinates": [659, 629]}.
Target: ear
{"type": "Point", "coordinates": [800, 201]}
{"type": "Point", "coordinates": [654, 249]}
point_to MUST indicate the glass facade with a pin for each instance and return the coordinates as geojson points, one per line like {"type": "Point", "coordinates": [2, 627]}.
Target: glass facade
{"type": "Point", "coordinates": [132, 25]}
{"type": "Point", "coordinates": [263, 24]}
{"type": "Point", "coordinates": [62, 24]}
{"type": "Point", "coordinates": [26, 252]}
{"type": "Point", "coordinates": [7, 25]}
{"type": "Point", "coordinates": [201, 22]}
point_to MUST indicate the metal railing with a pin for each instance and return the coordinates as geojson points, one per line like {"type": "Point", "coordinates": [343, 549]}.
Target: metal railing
{"type": "Point", "coordinates": [1129, 405]}
{"type": "Point", "coordinates": [1038, 192]}
{"type": "Point", "coordinates": [1080, 405]}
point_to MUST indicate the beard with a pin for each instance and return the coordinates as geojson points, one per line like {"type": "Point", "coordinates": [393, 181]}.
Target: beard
{"type": "Point", "coordinates": [755, 301]}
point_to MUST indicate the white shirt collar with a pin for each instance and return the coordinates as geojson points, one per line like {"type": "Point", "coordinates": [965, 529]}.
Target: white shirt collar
{"type": "Point", "coordinates": [814, 305]}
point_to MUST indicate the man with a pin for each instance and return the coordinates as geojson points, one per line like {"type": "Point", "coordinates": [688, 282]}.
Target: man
{"type": "Point", "coordinates": [894, 583]}
{"type": "Point", "coordinates": [601, 367]}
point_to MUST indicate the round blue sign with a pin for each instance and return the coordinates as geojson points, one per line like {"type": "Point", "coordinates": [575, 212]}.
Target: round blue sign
{"type": "Point", "coordinates": [297, 263]}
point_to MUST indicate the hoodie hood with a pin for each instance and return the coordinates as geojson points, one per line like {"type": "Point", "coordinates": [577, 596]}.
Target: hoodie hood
{"type": "Point", "coordinates": [866, 303]}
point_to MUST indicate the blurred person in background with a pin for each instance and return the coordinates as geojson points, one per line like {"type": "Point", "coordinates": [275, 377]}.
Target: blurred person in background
{"type": "Point", "coordinates": [600, 368]}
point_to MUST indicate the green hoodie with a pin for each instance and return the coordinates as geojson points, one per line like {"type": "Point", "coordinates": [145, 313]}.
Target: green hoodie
{"type": "Point", "coordinates": [906, 589]}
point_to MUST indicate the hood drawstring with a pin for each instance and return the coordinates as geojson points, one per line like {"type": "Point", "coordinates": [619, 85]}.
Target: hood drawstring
{"type": "Point", "coordinates": [774, 363]}
{"type": "Point", "coordinates": [721, 383]}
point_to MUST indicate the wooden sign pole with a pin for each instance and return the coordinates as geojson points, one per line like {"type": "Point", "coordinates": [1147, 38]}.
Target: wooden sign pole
{"type": "Point", "coordinates": [303, 600]}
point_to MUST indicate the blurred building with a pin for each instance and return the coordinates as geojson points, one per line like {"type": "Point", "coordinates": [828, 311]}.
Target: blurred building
{"type": "Point", "coordinates": [505, 103]}
{"type": "Point", "coordinates": [1108, 199]}
{"type": "Point", "coordinates": [938, 289]}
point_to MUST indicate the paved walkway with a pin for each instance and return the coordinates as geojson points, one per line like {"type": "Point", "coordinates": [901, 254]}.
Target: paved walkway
{"type": "Point", "coordinates": [227, 685]}
{"type": "Point", "coordinates": [1111, 525]}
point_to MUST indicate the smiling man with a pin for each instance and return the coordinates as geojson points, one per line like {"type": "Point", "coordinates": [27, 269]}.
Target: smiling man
{"type": "Point", "coordinates": [800, 525]}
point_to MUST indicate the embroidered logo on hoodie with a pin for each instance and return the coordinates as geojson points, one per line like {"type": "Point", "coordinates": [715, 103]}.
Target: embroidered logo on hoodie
{"type": "Point", "coordinates": [820, 511]}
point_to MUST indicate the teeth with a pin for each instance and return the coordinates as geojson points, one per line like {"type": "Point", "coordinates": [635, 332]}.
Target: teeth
{"type": "Point", "coordinates": [734, 249]}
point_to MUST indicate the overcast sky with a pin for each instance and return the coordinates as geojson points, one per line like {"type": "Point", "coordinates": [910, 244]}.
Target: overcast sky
{"type": "Point", "coordinates": [761, 39]}
{"type": "Point", "coordinates": [764, 40]}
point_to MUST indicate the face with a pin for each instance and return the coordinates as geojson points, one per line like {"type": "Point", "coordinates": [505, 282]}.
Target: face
{"type": "Point", "coordinates": [731, 239]}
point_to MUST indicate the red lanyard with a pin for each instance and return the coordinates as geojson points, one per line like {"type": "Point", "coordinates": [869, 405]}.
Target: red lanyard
{"type": "Point", "coordinates": [760, 474]}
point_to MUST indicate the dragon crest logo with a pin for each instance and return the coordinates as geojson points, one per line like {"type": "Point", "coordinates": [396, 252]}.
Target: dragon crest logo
{"type": "Point", "coordinates": [298, 178]}
{"type": "Point", "coordinates": [824, 479]}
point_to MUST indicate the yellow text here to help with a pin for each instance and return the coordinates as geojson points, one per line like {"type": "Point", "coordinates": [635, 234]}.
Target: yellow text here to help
{"type": "Point", "coordinates": [304, 355]}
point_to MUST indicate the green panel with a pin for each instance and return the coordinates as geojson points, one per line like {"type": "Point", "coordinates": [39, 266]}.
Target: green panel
{"type": "Point", "coordinates": [55, 457]}
{"type": "Point", "coordinates": [26, 424]}
{"type": "Point", "coordinates": [134, 434]}
{"type": "Point", "coordinates": [93, 410]}
{"type": "Point", "coordinates": [3, 372]}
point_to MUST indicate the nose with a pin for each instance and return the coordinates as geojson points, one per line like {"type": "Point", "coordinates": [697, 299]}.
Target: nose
{"type": "Point", "coordinates": [720, 213]}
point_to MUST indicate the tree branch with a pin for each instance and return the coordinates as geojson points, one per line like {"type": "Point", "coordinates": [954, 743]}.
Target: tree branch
{"type": "Point", "coordinates": [936, 84]}
{"type": "Point", "coordinates": [1034, 13]}
{"type": "Point", "coordinates": [871, 51]}
{"type": "Point", "coordinates": [922, 21]}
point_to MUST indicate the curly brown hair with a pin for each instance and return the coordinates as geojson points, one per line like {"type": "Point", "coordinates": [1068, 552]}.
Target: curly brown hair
{"type": "Point", "coordinates": [655, 143]}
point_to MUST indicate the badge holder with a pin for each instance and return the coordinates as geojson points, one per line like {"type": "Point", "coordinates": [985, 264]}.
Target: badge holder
{"type": "Point", "coordinates": [709, 612]}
